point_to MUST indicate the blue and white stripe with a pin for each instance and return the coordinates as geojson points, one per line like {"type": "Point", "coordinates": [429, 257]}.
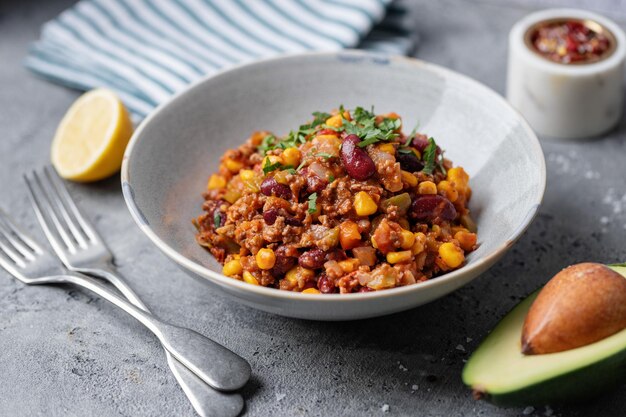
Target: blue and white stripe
{"type": "Point", "coordinates": [147, 50]}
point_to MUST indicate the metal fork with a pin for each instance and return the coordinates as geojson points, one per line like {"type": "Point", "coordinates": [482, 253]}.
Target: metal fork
{"type": "Point", "coordinates": [81, 249]}
{"type": "Point", "coordinates": [28, 262]}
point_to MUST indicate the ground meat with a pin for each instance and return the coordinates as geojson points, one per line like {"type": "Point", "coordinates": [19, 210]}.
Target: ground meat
{"type": "Point", "coordinates": [338, 219]}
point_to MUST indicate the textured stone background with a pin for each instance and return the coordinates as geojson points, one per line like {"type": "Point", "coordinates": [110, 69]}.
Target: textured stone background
{"type": "Point", "coordinates": [66, 353]}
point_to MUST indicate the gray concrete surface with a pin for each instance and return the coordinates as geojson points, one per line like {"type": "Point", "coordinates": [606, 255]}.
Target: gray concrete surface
{"type": "Point", "coordinates": [67, 353]}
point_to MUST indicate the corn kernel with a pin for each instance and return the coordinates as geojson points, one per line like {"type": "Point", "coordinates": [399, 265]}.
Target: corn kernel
{"type": "Point", "coordinates": [374, 244]}
{"type": "Point", "coordinates": [232, 268]}
{"type": "Point", "coordinates": [349, 265]}
{"type": "Point", "coordinates": [216, 182]}
{"type": "Point", "coordinates": [257, 137]}
{"type": "Point", "coordinates": [447, 190]}
{"type": "Point", "coordinates": [364, 205]}
{"type": "Point", "coordinates": [419, 244]}
{"type": "Point", "coordinates": [231, 196]}
{"type": "Point", "coordinates": [466, 240]}
{"type": "Point", "coordinates": [387, 147]}
{"type": "Point", "coordinates": [349, 235]}
{"type": "Point", "coordinates": [409, 178]}
{"type": "Point", "coordinates": [291, 156]}
{"type": "Point", "coordinates": [249, 278]}
{"type": "Point", "coordinates": [297, 271]}
{"type": "Point", "coordinates": [459, 177]}
{"type": "Point", "coordinates": [281, 177]}
{"type": "Point", "coordinates": [334, 121]}
{"type": "Point", "coordinates": [232, 165]}
{"type": "Point", "coordinates": [236, 256]}
{"type": "Point", "coordinates": [247, 174]}
{"type": "Point", "coordinates": [265, 258]}
{"type": "Point", "coordinates": [311, 291]}
{"type": "Point", "coordinates": [397, 257]}
{"type": "Point", "coordinates": [292, 275]}
{"type": "Point", "coordinates": [427, 187]}
{"type": "Point", "coordinates": [407, 239]}
{"type": "Point", "coordinates": [451, 254]}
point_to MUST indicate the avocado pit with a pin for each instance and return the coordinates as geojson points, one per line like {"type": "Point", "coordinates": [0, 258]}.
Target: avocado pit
{"type": "Point", "coordinates": [580, 305]}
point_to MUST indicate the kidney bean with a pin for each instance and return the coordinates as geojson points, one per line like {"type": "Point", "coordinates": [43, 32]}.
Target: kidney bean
{"type": "Point", "coordinates": [337, 255]}
{"type": "Point", "coordinates": [315, 184]}
{"type": "Point", "coordinates": [420, 142]}
{"type": "Point", "coordinates": [270, 186]}
{"type": "Point", "coordinates": [355, 160]}
{"type": "Point", "coordinates": [292, 221]}
{"type": "Point", "coordinates": [312, 259]}
{"type": "Point", "coordinates": [283, 262]}
{"type": "Point", "coordinates": [270, 216]}
{"type": "Point", "coordinates": [409, 162]}
{"type": "Point", "coordinates": [325, 285]}
{"type": "Point", "coordinates": [432, 207]}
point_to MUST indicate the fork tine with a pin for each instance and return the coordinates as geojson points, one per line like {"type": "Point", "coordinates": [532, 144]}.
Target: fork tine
{"type": "Point", "coordinates": [53, 194]}
{"type": "Point", "coordinates": [41, 205]}
{"type": "Point", "coordinates": [67, 199]}
{"type": "Point", "coordinates": [15, 241]}
{"type": "Point", "coordinates": [13, 228]}
{"type": "Point", "coordinates": [9, 265]}
{"type": "Point", "coordinates": [10, 252]}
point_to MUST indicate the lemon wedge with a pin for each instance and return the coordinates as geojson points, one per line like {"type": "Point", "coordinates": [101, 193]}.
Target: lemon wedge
{"type": "Point", "coordinates": [90, 141]}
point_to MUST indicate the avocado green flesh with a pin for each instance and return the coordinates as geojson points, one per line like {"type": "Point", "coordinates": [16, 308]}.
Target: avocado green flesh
{"type": "Point", "coordinates": [502, 374]}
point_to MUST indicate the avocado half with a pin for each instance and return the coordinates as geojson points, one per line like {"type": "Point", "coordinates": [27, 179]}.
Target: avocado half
{"type": "Point", "coordinates": [498, 372]}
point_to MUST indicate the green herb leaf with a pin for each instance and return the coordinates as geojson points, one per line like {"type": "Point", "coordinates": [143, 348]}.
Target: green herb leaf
{"type": "Point", "coordinates": [324, 155]}
{"type": "Point", "coordinates": [331, 178]}
{"type": "Point", "coordinates": [430, 154]}
{"type": "Point", "coordinates": [405, 151]}
{"type": "Point", "coordinates": [290, 170]}
{"type": "Point", "coordinates": [269, 167]}
{"type": "Point", "coordinates": [217, 218]}
{"type": "Point", "coordinates": [267, 144]}
{"type": "Point", "coordinates": [440, 164]}
{"type": "Point", "coordinates": [411, 136]}
{"type": "Point", "coordinates": [300, 166]}
{"type": "Point", "coordinates": [366, 142]}
{"type": "Point", "coordinates": [313, 203]}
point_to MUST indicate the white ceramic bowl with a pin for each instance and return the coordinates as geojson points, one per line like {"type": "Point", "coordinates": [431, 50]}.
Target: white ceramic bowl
{"type": "Point", "coordinates": [174, 151]}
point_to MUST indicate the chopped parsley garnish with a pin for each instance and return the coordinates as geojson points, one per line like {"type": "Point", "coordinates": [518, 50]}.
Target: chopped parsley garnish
{"type": "Point", "coordinates": [267, 144]}
{"type": "Point", "coordinates": [324, 155]}
{"type": "Point", "coordinates": [411, 136]}
{"type": "Point", "coordinates": [298, 137]}
{"type": "Point", "coordinates": [301, 165]}
{"type": "Point", "coordinates": [269, 167]}
{"type": "Point", "coordinates": [405, 151]}
{"type": "Point", "coordinates": [313, 203]}
{"type": "Point", "coordinates": [431, 159]}
{"type": "Point", "coordinates": [331, 178]}
{"type": "Point", "coordinates": [430, 154]}
{"type": "Point", "coordinates": [217, 218]}
{"type": "Point", "coordinates": [363, 124]}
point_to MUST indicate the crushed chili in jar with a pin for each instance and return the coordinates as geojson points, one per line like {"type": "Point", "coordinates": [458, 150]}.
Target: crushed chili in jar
{"type": "Point", "coordinates": [571, 42]}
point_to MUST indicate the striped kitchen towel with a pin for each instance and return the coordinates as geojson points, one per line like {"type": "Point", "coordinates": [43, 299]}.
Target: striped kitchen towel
{"type": "Point", "coordinates": [147, 50]}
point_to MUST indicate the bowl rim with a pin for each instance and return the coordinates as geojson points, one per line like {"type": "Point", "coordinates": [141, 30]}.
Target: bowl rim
{"type": "Point", "coordinates": [223, 281]}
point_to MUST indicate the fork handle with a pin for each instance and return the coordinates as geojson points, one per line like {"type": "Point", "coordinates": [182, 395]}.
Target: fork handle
{"type": "Point", "coordinates": [197, 352]}
{"type": "Point", "coordinates": [204, 399]}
